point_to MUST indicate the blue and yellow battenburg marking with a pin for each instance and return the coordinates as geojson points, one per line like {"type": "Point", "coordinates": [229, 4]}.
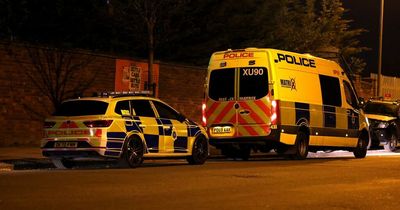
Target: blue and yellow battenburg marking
{"type": "Point", "coordinates": [160, 135]}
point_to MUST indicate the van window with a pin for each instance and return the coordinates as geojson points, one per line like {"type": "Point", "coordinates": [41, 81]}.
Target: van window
{"type": "Point", "coordinates": [350, 96]}
{"type": "Point", "coordinates": [222, 85]}
{"type": "Point", "coordinates": [330, 88]}
{"type": "Point", "coordinates": [253, 83]}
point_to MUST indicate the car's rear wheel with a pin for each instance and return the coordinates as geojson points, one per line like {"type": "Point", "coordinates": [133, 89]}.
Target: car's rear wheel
{"type": "Point", "coordinates": [199, 151]}
{"type": "Point", "coordinates": [62, 163]}
{"type": "Point", "coordinates": [133, 151]}
{"type": "Point", "coordinates": [391, 144]}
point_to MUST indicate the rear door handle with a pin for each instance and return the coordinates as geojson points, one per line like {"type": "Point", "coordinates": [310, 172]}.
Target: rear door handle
{"type": "Point", "coordinates": [167, 127]}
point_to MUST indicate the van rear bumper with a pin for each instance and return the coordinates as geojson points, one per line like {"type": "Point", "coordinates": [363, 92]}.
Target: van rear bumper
{"type": "Point", "coordinates": [273, 137]}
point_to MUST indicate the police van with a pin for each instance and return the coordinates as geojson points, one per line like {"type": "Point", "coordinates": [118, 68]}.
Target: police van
{"type": "Point", "coordinates": [267, 99]}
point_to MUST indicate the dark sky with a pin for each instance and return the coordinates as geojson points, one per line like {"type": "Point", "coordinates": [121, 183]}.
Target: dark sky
{"type": "Point", "coordinates": [365, 14]}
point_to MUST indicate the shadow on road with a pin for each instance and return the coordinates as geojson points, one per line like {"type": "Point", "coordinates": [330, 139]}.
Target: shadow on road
{"type": "Point", "coordinates": [313, 158]}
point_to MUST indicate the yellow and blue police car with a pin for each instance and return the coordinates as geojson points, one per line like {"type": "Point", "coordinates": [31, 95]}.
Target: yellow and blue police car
{"type": "Point", "coordinates": [126, 127]}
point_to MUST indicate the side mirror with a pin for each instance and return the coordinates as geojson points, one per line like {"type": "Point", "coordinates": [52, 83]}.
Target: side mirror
{"type": "Point", "coordinates": [361, 102]}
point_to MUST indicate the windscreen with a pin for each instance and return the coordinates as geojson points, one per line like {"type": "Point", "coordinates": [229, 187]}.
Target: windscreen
{"type": "Point", "coordinates": [81, 108]}
{"type": "Point", "coordinates": [381, 109]}
{"type": "Point", "coordinates": [222, 85]}
{"type": "Point", "coordinates": [253, 83]}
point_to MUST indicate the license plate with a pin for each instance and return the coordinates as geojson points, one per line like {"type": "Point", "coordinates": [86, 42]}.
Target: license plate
{"type": "Point", "coordinates": [221, 129]}
{"type": "Point", "coordinates": [66, 144]}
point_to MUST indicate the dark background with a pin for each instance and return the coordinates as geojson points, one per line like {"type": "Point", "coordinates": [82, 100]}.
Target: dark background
{"type": "Point", "coordinates": [365, 14]}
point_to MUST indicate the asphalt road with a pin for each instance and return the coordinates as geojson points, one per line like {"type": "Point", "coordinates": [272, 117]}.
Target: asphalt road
{"type": "Point", "coordinates": [320, 182]}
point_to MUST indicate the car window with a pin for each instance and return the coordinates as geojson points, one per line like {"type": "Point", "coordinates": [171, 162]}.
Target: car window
{"type": "Point", "coordinates": [142, 108]}
{"type": "Point", "coordinates": [81, 108]}
{"type": "Point", "coordinates": [165, 111]}
{"type": "Point", "coordinates": [123, 108]}
{"type": "Point", "coordinates": [381, 109]}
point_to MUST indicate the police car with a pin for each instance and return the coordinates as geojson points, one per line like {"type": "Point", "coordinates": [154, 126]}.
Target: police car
{"type": "Point", "coordinates": [384, 119]}
{"type": "Point", "coordinates": [127, 127]}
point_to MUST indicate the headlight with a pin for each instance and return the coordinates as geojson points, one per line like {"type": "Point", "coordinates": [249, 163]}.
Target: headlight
{"type": "Point", "coordinates": [383, 125]}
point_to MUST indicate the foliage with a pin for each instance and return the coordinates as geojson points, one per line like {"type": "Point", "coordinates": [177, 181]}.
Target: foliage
{"type": "Point", "coordinates": [185, 31]}
{"type": "Point", "coordinates": [57, 73]}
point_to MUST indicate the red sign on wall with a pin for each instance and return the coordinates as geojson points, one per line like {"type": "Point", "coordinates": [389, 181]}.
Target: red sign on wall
{"type": "Point", "coordinates": [133, 75]}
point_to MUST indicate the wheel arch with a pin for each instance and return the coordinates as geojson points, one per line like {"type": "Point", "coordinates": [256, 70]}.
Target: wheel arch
{"type": "Point", "coordinates": [133, 135]}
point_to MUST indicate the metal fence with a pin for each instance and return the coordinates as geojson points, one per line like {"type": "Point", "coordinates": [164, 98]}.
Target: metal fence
{"type": "Point", "coordinates": [390, 86]}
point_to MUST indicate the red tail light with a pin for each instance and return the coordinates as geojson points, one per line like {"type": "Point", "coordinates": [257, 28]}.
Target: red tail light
{"type": "Point", "coordinates": [203, 114]}
{"type": "Point", "coordinates": [48, 124]}
{"type": "Point", "coordinates": [274, 112]}
{"type": "Point", "coordinates": [98, 123]}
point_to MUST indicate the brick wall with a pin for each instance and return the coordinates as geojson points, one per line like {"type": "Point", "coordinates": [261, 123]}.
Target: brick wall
{"type": "Point", "coordinates": [182, 88]}
{"type": "Point", "coordinates": [22, 106]}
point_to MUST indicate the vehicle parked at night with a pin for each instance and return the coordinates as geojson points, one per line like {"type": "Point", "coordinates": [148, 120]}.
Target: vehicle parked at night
{"type": "Point", "coordinates": [125, 127]}
{"type": "Point", "coordinates": [264, 99]}
{"type": "Point", "coordinates": [384, 123]}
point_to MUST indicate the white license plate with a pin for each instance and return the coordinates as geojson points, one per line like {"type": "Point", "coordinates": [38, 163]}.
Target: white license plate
{"type": "Point", "coordinates": [66, 144]}
{"type": "Point", "coordinates": [221, 129]}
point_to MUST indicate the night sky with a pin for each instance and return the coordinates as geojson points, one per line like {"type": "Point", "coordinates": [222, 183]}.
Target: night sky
{"type": "Point", "coordinates": [366, 14]}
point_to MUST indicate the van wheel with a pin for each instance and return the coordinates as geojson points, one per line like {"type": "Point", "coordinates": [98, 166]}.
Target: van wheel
{"type": "Point", "coordinates": [133, 151]}
{"type": "Point", "coordinates": [391, 144]}
{"type": "Point", "coordinates": [199, 151]}
{"type": "Point", "coordinates": [301, 146]}
{"type": "Point", "coordinates": [361, 150]}
{"type": "Point", "coordinates": [62, 163]}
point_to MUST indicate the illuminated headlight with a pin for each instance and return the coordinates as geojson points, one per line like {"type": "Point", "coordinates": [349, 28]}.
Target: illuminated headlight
{"type": "Point", "coordinates": [383, 125]}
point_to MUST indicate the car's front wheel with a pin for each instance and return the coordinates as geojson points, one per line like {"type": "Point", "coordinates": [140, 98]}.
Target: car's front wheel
{"type": "Point", "coordinates": [391, 144]}
{"type": "Point", "coordinates": [199, 151]}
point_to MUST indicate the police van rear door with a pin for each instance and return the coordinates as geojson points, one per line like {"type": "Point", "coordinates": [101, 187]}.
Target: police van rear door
{"type": "Point", "coordinates": [238, 104]}
{"type": "Point", "coordinates": [253, 104]}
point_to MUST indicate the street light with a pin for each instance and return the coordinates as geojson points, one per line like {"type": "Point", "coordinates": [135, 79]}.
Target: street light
{"type": "Point", "coordinates": [379, 88]}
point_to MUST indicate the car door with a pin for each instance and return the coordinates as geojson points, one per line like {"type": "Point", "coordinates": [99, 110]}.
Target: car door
{"type": "Point", "coordinates": [145, 117]}
{"type": "Point", "coordinates": [175, 128]}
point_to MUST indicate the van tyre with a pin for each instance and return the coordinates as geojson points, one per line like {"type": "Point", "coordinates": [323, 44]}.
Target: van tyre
{"type": "Point", "coordinates": [133, 151]}
{"type": "Point", "coordinates": [301, 146]}
{"type": "Point", "coordinates": [62, 163]}
{"type": "Point", "coordinates": [361, 150]}
{"type": "Point", "coordinates": [199, 151]}
{"type": "Point", "coordinates": [391, 144]}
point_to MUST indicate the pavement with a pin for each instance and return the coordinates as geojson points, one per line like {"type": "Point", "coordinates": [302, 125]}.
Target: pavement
{"type": "Point", "coordinates": [21, 157]}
